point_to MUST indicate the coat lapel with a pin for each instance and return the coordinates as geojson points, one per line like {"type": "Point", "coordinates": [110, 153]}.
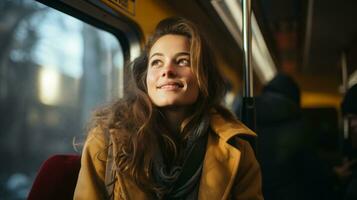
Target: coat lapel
{"type": "Point", "coordinates": [219, 169]}
{"type": "Point", "coordinates": [221, 160]}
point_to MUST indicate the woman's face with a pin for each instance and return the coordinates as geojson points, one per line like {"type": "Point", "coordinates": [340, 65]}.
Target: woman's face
{"type": "Point", "coordinates": [170, 80]}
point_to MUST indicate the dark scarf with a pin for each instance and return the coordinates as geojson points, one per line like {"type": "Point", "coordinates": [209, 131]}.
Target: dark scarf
{"type": "Point", "coordinates": [181, 182]}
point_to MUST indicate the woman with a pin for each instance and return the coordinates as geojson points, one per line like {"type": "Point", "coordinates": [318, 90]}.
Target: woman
{"type": "Point", "coordinates": [170, 138]}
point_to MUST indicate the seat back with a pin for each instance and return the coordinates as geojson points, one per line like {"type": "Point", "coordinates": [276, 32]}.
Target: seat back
{"type": "Point", "coordinates": [57, 178]}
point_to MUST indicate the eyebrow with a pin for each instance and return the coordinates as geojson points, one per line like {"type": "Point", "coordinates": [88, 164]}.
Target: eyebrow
{"type": "Point", "coordinates": [182, 54]}
{"type": "Point", "coordinates": [156, 54]}
{"type": "Point", "coordinates": [176, 55]}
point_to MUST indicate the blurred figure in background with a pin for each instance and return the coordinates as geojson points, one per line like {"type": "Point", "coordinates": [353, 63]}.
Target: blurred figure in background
{"type": "Point", "coordinates": [292, 156]}
{"type": "Point", "coordinates": [280, 129]}
{"type": "Point", "coordinates": [349, 110]}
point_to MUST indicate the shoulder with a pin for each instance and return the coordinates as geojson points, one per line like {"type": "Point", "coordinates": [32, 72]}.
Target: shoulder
{"type": "Point", "coordinates": [248, 181]}
{"type": "Point", "coordinates": [95, 143]}
{"type": "Point", "coordinates": [96, 135]}
{"type": "Point", "coordinates": [91, 178]}
{"type": "Point", "coordinates": [230, 129]}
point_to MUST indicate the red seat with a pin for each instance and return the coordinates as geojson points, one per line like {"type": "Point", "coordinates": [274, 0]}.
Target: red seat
{"type": "Point", "coordinates": [57, 178]}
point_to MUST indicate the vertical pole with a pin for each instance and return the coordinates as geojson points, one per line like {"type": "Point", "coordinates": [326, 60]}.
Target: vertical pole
{"type": "Point", "coordinates": [247, 41]}
{"type": "Point", "coordinates": [248, 105]}
{"type": "Point", "coordinates": [345, 140]}
{"type": "Point", "coordinates": [344, 90]}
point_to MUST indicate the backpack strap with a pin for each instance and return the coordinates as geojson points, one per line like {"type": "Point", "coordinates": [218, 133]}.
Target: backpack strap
{"type": "Point", "coordinates": [112, 175]}
{"type": "Point", "coordinates": [109, 172]}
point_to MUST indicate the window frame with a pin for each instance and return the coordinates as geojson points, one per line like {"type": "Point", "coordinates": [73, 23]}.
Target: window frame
{"type": "Point", "coordinates": [100, 16]}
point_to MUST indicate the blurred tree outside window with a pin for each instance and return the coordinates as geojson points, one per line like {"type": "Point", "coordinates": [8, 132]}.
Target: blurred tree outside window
{"type": "Point", "coordinates": [54, 71]}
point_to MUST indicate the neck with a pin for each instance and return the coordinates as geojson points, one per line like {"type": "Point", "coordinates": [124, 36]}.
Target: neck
{"type": "Point", "coordinates": [175, 117]}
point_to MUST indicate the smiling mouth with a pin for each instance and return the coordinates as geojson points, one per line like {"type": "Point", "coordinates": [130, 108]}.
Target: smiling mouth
{"type": "Point", "coordinates": [170, 86]}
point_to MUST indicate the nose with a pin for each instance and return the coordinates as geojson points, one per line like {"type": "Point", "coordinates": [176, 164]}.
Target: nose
{"type": "Point", "coordinates": [169, 70]}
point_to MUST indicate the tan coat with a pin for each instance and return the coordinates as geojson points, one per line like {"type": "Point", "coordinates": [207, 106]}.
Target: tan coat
{"type": "Point", "coordinates": [229, 172]}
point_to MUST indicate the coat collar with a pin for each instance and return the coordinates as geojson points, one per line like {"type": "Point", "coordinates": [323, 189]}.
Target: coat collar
{"type": "Point", "coordinates": [226, 129]}
{"type": "Point", "coordinates": [221, 161]}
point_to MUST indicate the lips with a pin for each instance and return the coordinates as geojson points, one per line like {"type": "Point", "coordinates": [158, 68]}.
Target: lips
{"type": "Point", "coordinates": [170, 85]}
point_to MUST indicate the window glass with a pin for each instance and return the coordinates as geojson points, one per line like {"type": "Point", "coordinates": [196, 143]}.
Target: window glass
{"type": "Point", "coordinates": [54, 71]}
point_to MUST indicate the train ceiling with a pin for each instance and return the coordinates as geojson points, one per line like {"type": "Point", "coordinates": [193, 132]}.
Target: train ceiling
{"type": "Point", "coordinates": [306, 38]}
{"type": "Point", "coordinates": [314, 33]}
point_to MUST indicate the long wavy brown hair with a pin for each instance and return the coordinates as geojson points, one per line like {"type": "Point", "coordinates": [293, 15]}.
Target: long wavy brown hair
{"type": "Point", "coordinates": [134, 121]}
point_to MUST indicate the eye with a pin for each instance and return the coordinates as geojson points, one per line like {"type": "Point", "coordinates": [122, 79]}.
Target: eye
{"type": "Point", "coordinates": [183, 62]}
{"type": "Point", "coordinates": [156, 63]}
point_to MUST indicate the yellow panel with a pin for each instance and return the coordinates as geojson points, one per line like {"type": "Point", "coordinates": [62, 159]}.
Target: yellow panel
{"type": "Point", "coordinates": [146, 13]}
{"type": "Point", "coordinates": [127, 6]}
{"type": "Point", "coordinates": [314, 99]}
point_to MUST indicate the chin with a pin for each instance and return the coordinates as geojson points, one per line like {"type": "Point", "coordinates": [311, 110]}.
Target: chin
{"type": "Point", "coordinates": [172, 103]}
{"type": "Point", "coordinates": [167, 104]}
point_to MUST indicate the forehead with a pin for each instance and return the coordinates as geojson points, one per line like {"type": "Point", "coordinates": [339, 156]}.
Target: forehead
{"type": "Point", "coordinates": [170, 44]}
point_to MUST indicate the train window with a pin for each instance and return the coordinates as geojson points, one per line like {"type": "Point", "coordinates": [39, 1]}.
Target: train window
{"type": "Point", "coordinates": [54, 70]}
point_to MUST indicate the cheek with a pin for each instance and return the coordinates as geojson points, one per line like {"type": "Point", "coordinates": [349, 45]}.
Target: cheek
{"type": "Point", "coordinates": [193, 84]}
{"type": "Point", "coordinates": [193, 80]}
{"type": "Point", "coordinates": [196, 91]}
{"type": "Point", "coordinates": [150, 81]}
